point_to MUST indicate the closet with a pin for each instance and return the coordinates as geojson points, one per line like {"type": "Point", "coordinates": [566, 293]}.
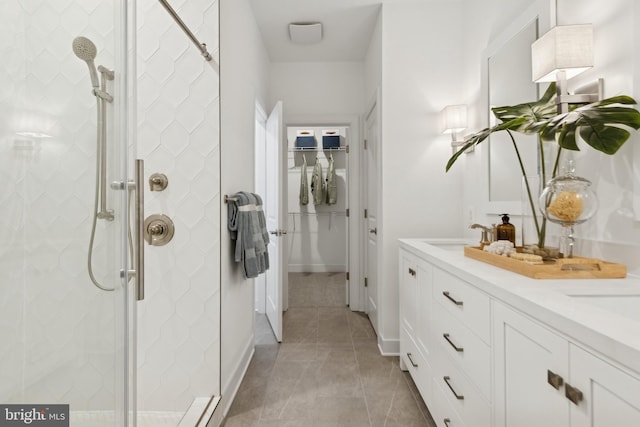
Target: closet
{"type": "Point", "coordinates": [318, 230]}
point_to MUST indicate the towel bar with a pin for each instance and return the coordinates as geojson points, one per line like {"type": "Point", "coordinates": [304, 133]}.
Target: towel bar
{"type": "Point", "coordinates": [228, 199]}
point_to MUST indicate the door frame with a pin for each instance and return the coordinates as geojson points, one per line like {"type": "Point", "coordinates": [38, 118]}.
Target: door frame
{"type": "Point", "coordinates": [260, 187]}
{"type": "Point", "coordinates": [354, 123]}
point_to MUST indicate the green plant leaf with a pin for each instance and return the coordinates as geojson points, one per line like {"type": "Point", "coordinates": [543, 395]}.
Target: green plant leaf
{"type": "Point", "coordinates": [535, 114]}
{"type": "Point", "coordinates": [615, 115]}
{"type": "Point", "coordinates": [601, 125]}
{"type": "Point", "coordinates": [607, 139]}
{"type": "Point", "coordinates": [567, 138]}
{"type": "Point", "coordinates": [620, 99]}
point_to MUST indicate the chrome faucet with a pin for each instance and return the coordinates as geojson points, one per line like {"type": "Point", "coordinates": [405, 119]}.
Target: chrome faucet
{"type": "Point", "coordinates": [488, 234]}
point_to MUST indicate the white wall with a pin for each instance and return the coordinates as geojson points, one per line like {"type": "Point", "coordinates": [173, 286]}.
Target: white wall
{"type": "Point", "coordinates": [614, 232]}
{"type": "Point", "coordinates": [318, 88]}
{"type": "Point", "coordinates": [373, 63]}
{"type": "Point", "coordinates": [243, 73]}
{"type": "Point", "coordinates": [317, 235]}
{"type": "Point", "coordinates": [178, 135]}
{"type": "Point", "coordinates": [421, 74]}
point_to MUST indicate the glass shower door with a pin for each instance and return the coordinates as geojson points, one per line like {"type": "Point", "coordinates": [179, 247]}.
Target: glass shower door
{"type": "Point", "coordinates": [66, 316]}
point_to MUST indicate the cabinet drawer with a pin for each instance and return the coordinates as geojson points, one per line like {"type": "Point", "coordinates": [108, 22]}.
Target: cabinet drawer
{"type": "Point", "coordinates": [464, 348]}
{"type": "Point", "coordinates": [416, 363]}
{"type": "Point", "coordinates": [463, 301]}
{"type": "Point", "coordinates": [466, 400]}
{"type": "Point", "coordinates": [443, 413]}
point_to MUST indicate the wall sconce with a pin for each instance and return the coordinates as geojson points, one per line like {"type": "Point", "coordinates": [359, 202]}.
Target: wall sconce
{"type": "Point", "coordinates": [562, 53]}
{"type": "Point", "coordinates": [453, 119]}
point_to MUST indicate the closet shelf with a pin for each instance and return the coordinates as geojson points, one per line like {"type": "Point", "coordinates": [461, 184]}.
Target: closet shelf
{"type": "Point", "coordinates": [318, 149]}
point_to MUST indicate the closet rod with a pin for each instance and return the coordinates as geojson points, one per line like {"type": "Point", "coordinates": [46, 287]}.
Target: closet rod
{"type": "Point", "coordinates": [180, 22]}
{"type": "Point", "coordinates": [316, 213]}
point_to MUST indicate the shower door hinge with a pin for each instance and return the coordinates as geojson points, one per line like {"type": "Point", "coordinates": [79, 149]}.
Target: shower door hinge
{"type": "Point", "coordinates": [347, 212]}
{"type": "Point", "coordinates": [366, 214]}
{"type": "Point", "coordinates": [346, 149]}
{"type": "Point", "coordinates": [366, 284]}
{"type": "Point", "coordinates": [347, 275]}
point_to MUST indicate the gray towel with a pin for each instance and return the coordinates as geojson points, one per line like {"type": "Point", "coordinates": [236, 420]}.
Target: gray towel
{"type": "Point", "coordinates": [247, 227]}
{"type": "Point", "coordinates": [304, 185]}
{"type": "Point", "coordinates": [332, 185]}
{"type": "Point", "coordinates": [317, 184]}
{"type": "Point", "coordinates": [260, 234]}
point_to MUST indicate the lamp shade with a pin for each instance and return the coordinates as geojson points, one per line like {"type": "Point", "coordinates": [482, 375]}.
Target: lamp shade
{"type": "Point", "coordinates": [566, 48]}
{"type": "Point", "coordinates": [453, 118]}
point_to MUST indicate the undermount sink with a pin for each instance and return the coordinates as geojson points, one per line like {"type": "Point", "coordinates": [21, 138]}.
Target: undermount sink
{"type": "Point", "coordinates": [453, 245]}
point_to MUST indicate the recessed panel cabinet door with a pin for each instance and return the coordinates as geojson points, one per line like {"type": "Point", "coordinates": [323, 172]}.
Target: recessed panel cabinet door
{"type": "Point", "coordinates": [530, 362]}
{"type": "Point", "coordinates": [610, 396]}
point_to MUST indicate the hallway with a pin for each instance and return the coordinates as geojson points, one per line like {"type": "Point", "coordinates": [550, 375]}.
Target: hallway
{"type": "Point", "coordinates": [327, 372]}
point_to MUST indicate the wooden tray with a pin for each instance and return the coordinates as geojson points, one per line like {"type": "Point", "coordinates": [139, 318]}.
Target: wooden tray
{"type": "Point", "coordinates": [564, 268]}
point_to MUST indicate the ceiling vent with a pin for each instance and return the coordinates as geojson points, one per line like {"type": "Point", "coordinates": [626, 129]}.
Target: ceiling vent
{"type": "Point", "coordinates": [305, 32]}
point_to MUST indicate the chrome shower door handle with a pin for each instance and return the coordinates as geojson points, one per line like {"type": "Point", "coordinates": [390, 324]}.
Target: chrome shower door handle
{"type": "Point", "coordinates": [139, 229]}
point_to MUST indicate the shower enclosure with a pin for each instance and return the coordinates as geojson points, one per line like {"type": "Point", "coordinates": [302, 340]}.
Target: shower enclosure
{"type": "Point", "coordinates": [86, 89]}
{"type": "Point", "coordinates": [64, 340]}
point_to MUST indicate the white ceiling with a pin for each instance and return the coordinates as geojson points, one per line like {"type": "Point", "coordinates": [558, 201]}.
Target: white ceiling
{"type": "Point", "coordinates": [347, 26]}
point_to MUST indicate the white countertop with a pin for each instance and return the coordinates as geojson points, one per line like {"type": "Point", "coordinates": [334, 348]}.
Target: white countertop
{"type": "Point", "coordinates": [590, 312]}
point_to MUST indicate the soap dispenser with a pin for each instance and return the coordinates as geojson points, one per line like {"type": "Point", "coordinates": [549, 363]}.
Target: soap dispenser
{"type": "Point", "coordinates": [506, 230]}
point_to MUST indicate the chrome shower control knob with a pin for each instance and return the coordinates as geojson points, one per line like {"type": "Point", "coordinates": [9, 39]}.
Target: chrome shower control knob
{"type": "Point", "coordinates": [158, 182]}
{"type": "Point", "coordinates": [158, 229]}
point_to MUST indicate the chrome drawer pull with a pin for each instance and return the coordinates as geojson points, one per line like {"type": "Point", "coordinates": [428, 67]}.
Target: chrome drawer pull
{"type": "Point", "coordinates": [458, 396]}
{"type": "Point", "coordinates": [415, 365]}
{"type": "Point", "coordinates": [554, 379]}
{"type": "Point", "coordinates": [446, 294]}
{"type": "Point", "coordinates": [573, 394]}
{"type": "Point", "coordinates": [458, 349]}
{"type": "Point", "coordinates": [446, 422]}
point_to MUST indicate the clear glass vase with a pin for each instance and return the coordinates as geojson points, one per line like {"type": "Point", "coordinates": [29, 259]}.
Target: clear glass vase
{"type": "Point", "coordinates": [568, 200]}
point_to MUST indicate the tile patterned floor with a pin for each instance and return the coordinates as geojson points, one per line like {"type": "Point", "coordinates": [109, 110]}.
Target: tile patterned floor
{"type": "Point", "coordinates": [327, 372]}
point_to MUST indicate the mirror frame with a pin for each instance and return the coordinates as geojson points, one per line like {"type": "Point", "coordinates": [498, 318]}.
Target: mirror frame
{"type": "Point", "coordinates": [545, 13]}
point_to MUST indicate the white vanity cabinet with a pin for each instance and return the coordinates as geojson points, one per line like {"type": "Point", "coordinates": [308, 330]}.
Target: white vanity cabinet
{"type": "Point", "coordinates": [444, 341]}
{"type": "Point", "coordinates": [490, 348]}
{"type": "Point", "coordinates": [415, 306]}
{"type": "Point", "coordinates": [461, 336]}
{"type": "Point", "coordinates": [527, 358]}
{"type": "Point", "coordinates": [543, 379]}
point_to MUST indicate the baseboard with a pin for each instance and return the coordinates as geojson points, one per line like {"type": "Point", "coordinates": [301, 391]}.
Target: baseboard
{"type": "Point", "coordinates": [230, 390]}
{"type": "Point", "coordinates": [200, 412]}
{"type": "Point", "coordinates": [388, 347]}
{"type": "Point", "coordinates": [317, 268]}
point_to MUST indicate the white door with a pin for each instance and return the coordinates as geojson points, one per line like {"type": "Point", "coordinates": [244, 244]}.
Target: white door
{"type": "Point", "coordinates": [371, 192]}
{"type": "Point", "coordinates": [276, 152]}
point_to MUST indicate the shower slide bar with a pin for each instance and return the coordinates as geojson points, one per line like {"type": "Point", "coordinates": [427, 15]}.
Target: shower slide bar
{"type": "Point", "coordinates": [180, 22]}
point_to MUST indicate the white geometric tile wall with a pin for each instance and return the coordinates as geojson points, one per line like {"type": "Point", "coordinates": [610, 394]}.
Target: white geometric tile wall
{"type": "Point", "coordinates": [178, 122]}
{"type": "Point", "coordinates": [57, 329]}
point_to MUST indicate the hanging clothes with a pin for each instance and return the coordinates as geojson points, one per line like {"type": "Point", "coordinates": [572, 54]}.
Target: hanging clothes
{"type": "Point", "coordinates": [317, 184]}
{"type": "Point", "coordinates": [304, 185]}
{"type": "Point", "coordinates": [332, 185]}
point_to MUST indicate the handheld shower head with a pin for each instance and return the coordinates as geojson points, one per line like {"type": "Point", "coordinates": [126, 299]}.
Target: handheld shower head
{"type": "Point", "coordinates": [86, 50]}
